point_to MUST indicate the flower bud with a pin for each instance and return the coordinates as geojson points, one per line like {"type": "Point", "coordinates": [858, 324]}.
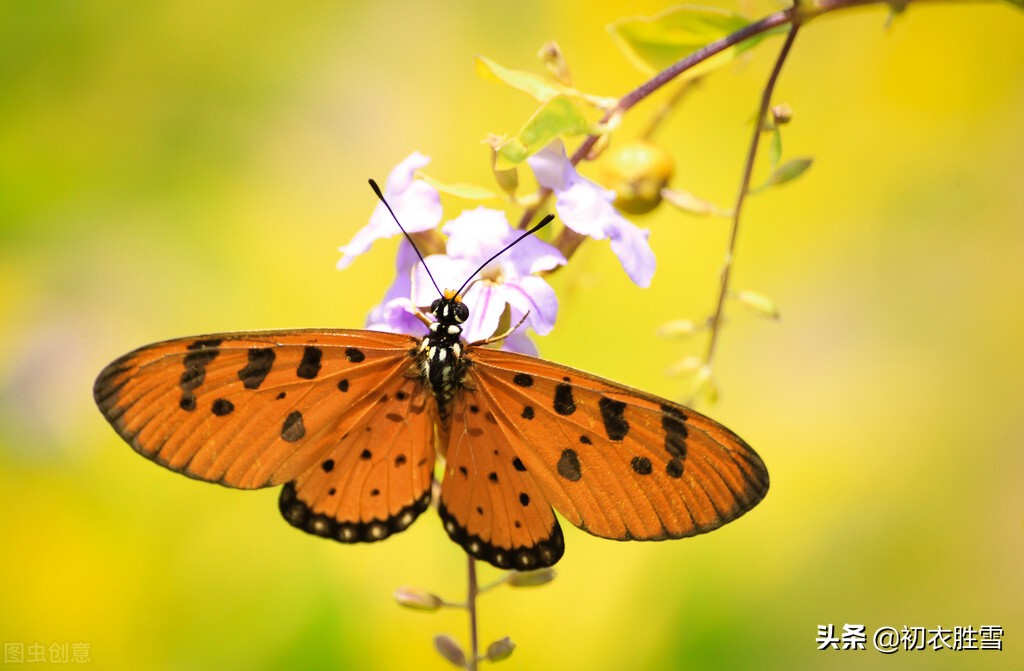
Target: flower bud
{"type": "Point", "coordinates": [500, 649]}
{"type": "Point", "coordinates": [541, 576]}
{"type": "Point", "coordinates": [417, 599]}
{"type": "Point", "coordinates": [677, 329]}
{"type": "Point", "coordinates": [637, 171]}
{"type": "Point", "coordinates": [759, 303]}
{"type": "Point", "coordinates": [450, 650]}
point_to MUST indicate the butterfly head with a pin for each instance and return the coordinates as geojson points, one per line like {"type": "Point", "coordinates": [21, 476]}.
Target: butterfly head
{"type": "Point", "coordinates": [450, 310]}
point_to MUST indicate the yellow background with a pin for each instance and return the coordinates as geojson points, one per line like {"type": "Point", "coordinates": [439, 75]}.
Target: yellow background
{"type": "Point", "coordinates": [191, 167]}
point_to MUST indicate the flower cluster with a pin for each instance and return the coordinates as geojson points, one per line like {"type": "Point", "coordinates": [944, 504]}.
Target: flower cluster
{"type": "Point", "coordinates": [513, 280]}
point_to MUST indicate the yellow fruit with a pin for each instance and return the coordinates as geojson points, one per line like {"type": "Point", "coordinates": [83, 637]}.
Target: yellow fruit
{"type": "Point", "coordinates": [637, 171]}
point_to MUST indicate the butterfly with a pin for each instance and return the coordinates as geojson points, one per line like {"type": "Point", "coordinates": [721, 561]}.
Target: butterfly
{"type": "Point", "coordinates": [350, 422]}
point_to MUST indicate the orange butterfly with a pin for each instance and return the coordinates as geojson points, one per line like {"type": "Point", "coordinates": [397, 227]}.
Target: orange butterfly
{"type": "Point", "coordinates": [348, 420]}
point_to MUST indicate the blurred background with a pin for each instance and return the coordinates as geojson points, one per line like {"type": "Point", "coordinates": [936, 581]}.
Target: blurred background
{"type": "Point", "coordinates": [186, 168]}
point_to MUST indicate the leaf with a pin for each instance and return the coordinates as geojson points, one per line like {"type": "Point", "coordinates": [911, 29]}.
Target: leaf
{"type": "Point", "coordinates": [786, 172]}
{"type": "Point", "coordinates": [556, 118]}
{"type": "Point", "coordinates": [1019, 4]}
{"type": "Point", "coordinates": [775, 148]}
{"type": "Point", "coordinates": [538, 86]}
{"type": "Point", "coordinates": [654, 43]}
{"type": "Point", "coordinates": [460, 189]}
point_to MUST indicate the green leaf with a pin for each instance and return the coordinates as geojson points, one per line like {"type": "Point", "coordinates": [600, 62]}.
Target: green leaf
{"type": "Point", "coordinates": [459, 189]}
{"type": "Point", "coordinates": [538, 86]}
{"type": "Point", "coordinates": [556, 118]}
{"type": "Point", "coordinates": [786, 172]}
{"type": "Point", "coordinates": [775, 148]}
{"type": "Point", "coordinates": [654, 43]}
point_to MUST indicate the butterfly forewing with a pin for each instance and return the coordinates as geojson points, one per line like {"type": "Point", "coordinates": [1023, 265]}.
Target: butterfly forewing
{"type": "Point", "coordinates": [249, 410]}
{"type": "Point", "coordinates": [613, 460]}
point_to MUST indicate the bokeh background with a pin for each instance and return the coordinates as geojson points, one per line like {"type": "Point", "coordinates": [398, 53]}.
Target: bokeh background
{"type": "Point", "coordinates": [185, 168]}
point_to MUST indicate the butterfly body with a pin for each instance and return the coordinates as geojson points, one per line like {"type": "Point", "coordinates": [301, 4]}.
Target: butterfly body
{"type": "Point", "coordinates": [348, 422]}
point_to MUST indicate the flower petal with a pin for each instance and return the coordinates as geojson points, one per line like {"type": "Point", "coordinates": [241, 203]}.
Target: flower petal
{"type": "Point", "coordinates": [635, 254]}
{"type": "Point", "coordinates": [416, 204]}
{"type": "Point", "coordinates": [535, 296]}
{"type": "Point", "coordinates": [552, 167]}
{"type": "Point", "coordinates": [485, 303]}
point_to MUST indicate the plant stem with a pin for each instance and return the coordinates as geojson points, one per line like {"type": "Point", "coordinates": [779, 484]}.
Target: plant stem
{"type": "Point", "coordinates": [471, 593]}
{"type": "Point", "coordinates": [748, 170]}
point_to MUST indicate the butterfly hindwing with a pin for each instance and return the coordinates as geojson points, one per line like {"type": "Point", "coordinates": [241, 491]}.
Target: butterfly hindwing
{"type": "Point", "coordinates": [249, 410]}
{"type": "Point", "coordinates": [376, 480]}
{"type": "Point", "coordinates": [615, 461]}
{"type": "Point", "coordinates": [490, 504]}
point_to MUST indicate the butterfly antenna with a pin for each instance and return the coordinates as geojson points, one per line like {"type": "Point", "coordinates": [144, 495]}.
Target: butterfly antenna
{"type": "Point", "coordinates": [376, 190]}
{"type": "Point", "coordinates": [543, 222]}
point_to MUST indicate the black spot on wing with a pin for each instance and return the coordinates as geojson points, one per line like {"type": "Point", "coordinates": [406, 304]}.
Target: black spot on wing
{"type": "Point", "coordinates": [523, 380]}
{"type": "Point", "coordinates": [518, 464]}
{"type": "Point", "coordinates": [354, 355]}
{"type": "Point", "coordinates": [569, 466]}
{"type": "Point", "coordinates": [527, 412]}
{"type": "Point", "coordinates": [222, 407]}
{"type": "Point", "coordinates": [309, 367]}
{"type": "Point", "coordinates": [641, 465]}
{"type": "Point", "coordinates": [261, 359]}
{"type": "Point", "coordinates": [673, 421]}
{"type": "Point", "coordinates": [564, 403]}
{"type": "Point", "coordinates": [293, 429]}
{"type": "Point", "coordinates": [200, 354]}
{"type": "Point", "coordinates": [615, 425]}
{"type": "Point", "coordinates": [327, 465]}
{"type": "Point", "coordinates": [343, 385]}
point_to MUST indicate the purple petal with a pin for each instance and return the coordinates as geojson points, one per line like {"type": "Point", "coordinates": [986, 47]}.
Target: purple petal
{"type": "Point", "coordinates": [519, 341]}
{"type": "Point", "coordinates": [416, 204]}
{"type": "Point", "coordinates": [449, 273]}
{"type": "Point", "coordinates": [534, 296]}
{"type": "Point", "coordinates": [552, 167]}
{"type": "Point", "coordinates": [396, 316]}
{"type": "Point", "coordinates": [477, 234]}
{"type": "Point", "coordinates": [635, 254]}
{"type": "Point", "coordinates": [485, 303]}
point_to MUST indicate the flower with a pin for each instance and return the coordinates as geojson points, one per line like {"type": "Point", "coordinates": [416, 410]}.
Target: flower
{"type": "Point", "coordinates": [587, 209]}
{"type": "Point", "coordinates": [397, 313]}
{"type": "Point", "coordinates": [416, 204]}
{"type": "Point", "coordinates": [510, 279]}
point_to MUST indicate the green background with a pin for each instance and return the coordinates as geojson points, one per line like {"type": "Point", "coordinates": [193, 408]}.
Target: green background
{"type": "Point", "coordinates": [186, 168]}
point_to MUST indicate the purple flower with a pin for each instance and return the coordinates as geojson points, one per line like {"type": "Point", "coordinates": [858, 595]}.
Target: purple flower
{"type": "Point", "coordinates": [396, 313]}
{"type": "Point", "coordinates": [416, 204]}
{"type": "Point", "coordinates": [473, 237]}
{"type": "Point", "coordinates": [587, 209]}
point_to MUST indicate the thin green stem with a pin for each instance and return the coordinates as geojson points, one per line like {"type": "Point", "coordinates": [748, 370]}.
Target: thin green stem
{"type": "Point", "coordinates": [741, 196]}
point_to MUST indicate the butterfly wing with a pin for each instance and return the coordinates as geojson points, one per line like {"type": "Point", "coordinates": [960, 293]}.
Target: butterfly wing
{"type": "Point", "coordinates": [302, 407]}
{"type": "Point", "coordinates": [614, 461]}
{"type": "Point", "coordinates": [490, 504]}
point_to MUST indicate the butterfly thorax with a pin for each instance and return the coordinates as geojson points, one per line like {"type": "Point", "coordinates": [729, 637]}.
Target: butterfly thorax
{"type": "Point", "coordinates": [440, 355]}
